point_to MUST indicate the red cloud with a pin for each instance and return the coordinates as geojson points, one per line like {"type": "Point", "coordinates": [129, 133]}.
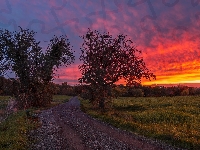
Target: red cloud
{"type": "Point", "coordinates": [170, 42]}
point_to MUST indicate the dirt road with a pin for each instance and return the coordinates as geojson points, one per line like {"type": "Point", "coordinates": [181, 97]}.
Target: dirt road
{"type": "Point", "coordinates": [67, 127]}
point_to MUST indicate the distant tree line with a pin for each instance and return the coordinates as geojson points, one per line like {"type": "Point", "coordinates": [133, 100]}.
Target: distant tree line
{"type": "Point", "coordinates": [9, 87]}
{"type": "Point", "coordinates": [154, 91]}
{"type": "Point", "coordinates": [145, 91]}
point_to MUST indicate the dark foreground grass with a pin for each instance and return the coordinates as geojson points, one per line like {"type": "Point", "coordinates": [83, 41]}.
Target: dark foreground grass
{"type": "Point", "coordinates": [14, 130]}
{"type": "Point", "coordinates": [174, 120]}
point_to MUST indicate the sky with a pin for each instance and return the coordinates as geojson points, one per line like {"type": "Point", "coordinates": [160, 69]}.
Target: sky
{"type": "Point", "coordinates": [166, 31]}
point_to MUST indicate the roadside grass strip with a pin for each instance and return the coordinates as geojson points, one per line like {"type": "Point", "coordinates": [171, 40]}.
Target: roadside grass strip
{"type": "Point", "coordinates": [14, 130]}
{"type": "Point", "coordinates": [173, 120]}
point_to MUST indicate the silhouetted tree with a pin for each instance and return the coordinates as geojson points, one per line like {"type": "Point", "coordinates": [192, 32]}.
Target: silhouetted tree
{"type": "Point", "coordinates": [78, 89]}
{"type": "Point", "coordinates": [136, 92]}
{"type": "Point", "coordinates": [6, 86]}
{"type": "Point", "coordinates": [106, 60]}
{"type": "Point", "coordinates": [197, 91]}
{"type": "Point", "coordinates": [20, 53]}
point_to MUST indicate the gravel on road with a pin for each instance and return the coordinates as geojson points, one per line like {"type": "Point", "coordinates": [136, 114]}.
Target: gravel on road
{"type": "Point", "coordinates": [66, 127]}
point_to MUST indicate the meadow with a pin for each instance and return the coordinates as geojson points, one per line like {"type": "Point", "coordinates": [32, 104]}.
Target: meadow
{"type": "Point", "coordinates": [173, 120]}
{"type": "Point", "coordinates": [14, 130]}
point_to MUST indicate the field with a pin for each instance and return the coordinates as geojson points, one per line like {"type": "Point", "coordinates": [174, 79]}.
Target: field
{"type": "Point", "coordinates": [174, 120]}
{"type": "Point", "coordinates": [13, 131]}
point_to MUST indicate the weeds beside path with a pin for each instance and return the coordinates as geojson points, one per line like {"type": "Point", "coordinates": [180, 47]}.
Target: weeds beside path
{"type": "Point", "coordinates": [15, 125]}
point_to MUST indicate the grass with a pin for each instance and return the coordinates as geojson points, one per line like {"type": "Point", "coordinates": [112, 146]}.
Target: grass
{"type": "Point", "coordinates": [14, 130]}
{"type": "Point", "coordinates": [58, 99]}
{"type": "Point", "coordinates": [174, 120]}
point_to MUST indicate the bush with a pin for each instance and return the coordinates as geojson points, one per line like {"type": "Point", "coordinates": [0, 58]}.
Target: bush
{"type": "Point", "coordinates": [137, 92]}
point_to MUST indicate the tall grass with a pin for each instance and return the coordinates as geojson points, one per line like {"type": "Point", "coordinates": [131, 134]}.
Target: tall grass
{"type": "Point", "coordinates": [13, 131]}
{"type": "Point", "coordinates": [174, 120]}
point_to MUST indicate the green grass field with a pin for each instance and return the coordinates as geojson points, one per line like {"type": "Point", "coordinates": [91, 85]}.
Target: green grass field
{"type": "Point", "coordinates": [14, 130]}
{"type": "Point", "coordinates": [174, 120]}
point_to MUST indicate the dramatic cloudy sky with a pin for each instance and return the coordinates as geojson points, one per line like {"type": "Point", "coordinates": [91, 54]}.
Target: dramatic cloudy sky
{"type": "Point", "coordinates": [167, 31]}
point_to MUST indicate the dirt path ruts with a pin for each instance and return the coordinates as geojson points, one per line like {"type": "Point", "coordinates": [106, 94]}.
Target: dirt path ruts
{"type": "Point", "coordinates": [67, 127]}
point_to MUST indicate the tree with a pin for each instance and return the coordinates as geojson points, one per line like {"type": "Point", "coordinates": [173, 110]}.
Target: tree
{"type": "Point", "coordinates": [107, 59]}
{"type": "Point", "coordinates": [21, 53]}
{"type": "Point", "coordinates": [136, 92]}
{"type": "Point", "coordinates": [6, 87]}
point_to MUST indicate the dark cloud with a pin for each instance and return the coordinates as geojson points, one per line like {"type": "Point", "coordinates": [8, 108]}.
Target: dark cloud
{"type": "Point", "coordinates": [166, 31]}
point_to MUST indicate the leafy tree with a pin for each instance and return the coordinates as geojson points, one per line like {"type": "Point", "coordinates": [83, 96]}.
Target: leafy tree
{"type": "Point", "coordinates": [185, 92]}
{"type": "Point", "coordinates": [107, 59]}
{"type": "Point", "coordinates": [77, 90]}
{"type": "Point", "coordinates": [6, 86]}
{"type": "Point", "coordinates": [191, 91]}
{"type": "Point", "coordinates": [197, 91]}
{"type": "Point", "coordinates": [21, 53]}
{"type": "Point", "coordinates": [119, 90]}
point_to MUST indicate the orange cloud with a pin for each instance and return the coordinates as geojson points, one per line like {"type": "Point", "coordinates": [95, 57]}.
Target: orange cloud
{"type": "Point", "coordinates": [170, 43]}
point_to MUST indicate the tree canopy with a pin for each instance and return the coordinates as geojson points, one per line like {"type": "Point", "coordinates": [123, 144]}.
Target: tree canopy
{"type": "Point", "coordinates": [106, 60]}
{"type": "Point", "coordinates": [21, 53]}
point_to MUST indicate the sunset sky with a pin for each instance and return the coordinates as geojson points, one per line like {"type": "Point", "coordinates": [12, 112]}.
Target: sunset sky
{"type": "Point", "coordinates": [166, 31]}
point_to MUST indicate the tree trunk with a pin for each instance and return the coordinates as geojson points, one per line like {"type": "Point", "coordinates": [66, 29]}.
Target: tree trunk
{"type": "Point", "coordinates": [102, 98]}
{"type": "Point", "coordinates": [102, 103]}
